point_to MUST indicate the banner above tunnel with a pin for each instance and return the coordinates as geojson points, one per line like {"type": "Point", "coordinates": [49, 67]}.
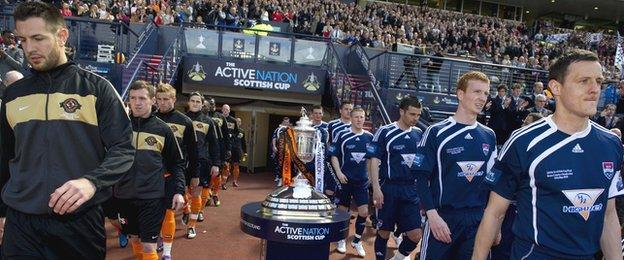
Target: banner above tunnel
{"type": "Point", "coordinates": [261, 76]}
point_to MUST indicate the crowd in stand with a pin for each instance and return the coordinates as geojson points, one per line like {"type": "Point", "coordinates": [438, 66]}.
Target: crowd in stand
{"type": "Point", "coordinates": [375, 25]}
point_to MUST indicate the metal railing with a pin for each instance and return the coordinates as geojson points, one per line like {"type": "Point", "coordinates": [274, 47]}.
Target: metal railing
{"type": "Point", "coordinates": [440, 74]}
{"type": "Point", "coordinates": [374, 84]}
{"type": "Point", "coordinates": [171, 59]}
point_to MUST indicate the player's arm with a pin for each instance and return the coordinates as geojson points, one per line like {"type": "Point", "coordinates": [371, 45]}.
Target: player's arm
{"type": "Point", "coordinates": [174, 162]}
{"type": "Point", "coordinates": [490, 226]}
{"type": "Point", "coordinates": [7, 152]}
{"type": "Point", "coordinates": [116, 135]}
{"type": "Point", "coordinates": [190, 142]}
{"type": "Point", "coordinates": [243, 142]}
{"type": "Point", "coordinates": [424, 161]}
{"type": "Point", "coordinates": [611, 230]}
{"type": "Point", "coordinates": [214, 150]}
{"type": "Point", "coordinates": [227, 139]}
{"type": "Point", "coordinates": [611, 234]}
{"type": "Point", "coordinates": [374, 151]}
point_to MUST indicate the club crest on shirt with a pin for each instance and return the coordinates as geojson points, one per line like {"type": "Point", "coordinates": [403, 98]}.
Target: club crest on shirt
{"type": "Point", "coordinates": [358, 157]}
{"type": "Point", "coordinates": [583, 201]}
{"type": "Point", "coordinates": [70, 105]}
{"type": "Point", "coordinates": [607, 169]}
{"type": "Point", "coordinates": [486, 149]}
{"type": "Point", "coordinates": [408, 159]}
{"type": "Point", "coordinates": [470, 169]}
{"type": "Point", "coordinates": [150, 140]}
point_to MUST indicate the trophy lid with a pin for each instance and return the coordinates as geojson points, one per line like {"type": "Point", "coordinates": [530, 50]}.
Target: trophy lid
{"type": "Point", "coordinates": [300, 200]}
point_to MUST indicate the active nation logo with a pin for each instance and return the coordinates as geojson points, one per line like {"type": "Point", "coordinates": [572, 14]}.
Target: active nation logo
{"type": "Point", "coordinates": [301, 233]}
{"type": "Point", "coordinates": [583, 201]}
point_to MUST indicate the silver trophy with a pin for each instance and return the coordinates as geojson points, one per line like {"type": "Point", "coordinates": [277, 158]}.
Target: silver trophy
{"type": "Point", "coordinates": [300, 199]}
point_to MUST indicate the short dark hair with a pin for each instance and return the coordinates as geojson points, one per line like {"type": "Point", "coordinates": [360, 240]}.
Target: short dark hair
{"type": "Point", "coordinates": [409, 101]}
{"type": "Point", "coordinates": [141, 84]}
{"type": "Point", "coordinates": [197, 94]}
{"type": "Point", "coordinates": [344, 103]}
{"type": "Point", "coordinates": [50, 15]}
{"type": "Point", "coordinates": [559, 69]}
{"type": "Point", "coordinates": [317, 107]}
{"type": "Point", "coordinates": [501, 86]}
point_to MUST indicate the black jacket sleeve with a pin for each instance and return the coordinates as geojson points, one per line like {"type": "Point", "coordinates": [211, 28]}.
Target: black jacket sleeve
{"type": "Point", "coordinates": [116, 134]}
{"type": "Point", "coordinates": [7, 152]}
{"type": "Point", "coordinates": [174, 162]}
{"type": "Point", "coordinates": [190, 143]}
{"type": "Point", "coordinates": [243, 142]}
{"type": "Point", "coordinates": [212, 139]}
{"type": "Point", "coordinates": [227, 139]}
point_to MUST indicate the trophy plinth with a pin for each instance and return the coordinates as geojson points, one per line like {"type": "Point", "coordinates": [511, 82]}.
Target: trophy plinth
{"type": "Point", "coordinates": [296, 220]}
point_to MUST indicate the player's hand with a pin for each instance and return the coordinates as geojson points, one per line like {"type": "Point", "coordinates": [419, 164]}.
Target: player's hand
{"type": "Point", "coordinates": [378, 197]}
{"type": "Point", "coordinates": [71, 195]}
{"type": "Point", "coordinates": [194, 182]}
{"type": "Point", "coordinates": [1, 229]}
{"type": "Point", "coordinates": [438, 226]}
{"type": "Point", "coordinates": [177, 202]}
{"type": "Point", "coordinates": [498, 239]}
{"type": "Point", "coordinates": [342, 178]}
{"type": "Point", "coordinates": [214, 171]}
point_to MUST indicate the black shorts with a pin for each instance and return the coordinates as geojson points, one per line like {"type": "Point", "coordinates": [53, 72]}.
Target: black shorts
{"type": "Point", "coordinates": [111, 208]}
{"type": "Point", "coordinates": [142, 217]}
{"type": "Point", "coordinates": [204, 173]}
{"type": "Point", "coordinates": [236, 155]}
{"type": "Point", "coordinates": [75, 236]}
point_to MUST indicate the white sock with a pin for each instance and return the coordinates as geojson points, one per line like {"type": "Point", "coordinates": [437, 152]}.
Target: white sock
{"type": "Point", "coordinates": [167, 248]}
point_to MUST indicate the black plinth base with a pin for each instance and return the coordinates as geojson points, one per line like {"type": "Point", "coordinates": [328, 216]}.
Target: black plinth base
{"type": "Point", "coordinates": [294, 238]}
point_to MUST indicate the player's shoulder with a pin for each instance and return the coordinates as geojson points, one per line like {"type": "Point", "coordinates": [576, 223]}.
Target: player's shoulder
{"type": "Point", "coordinates": [528, 136]}
{"type": "Point", "coordinates": [438, 128]}
{"type": "Point", "coordinates": [605, 135]}
{"type": "Point", "coordinates": [486, 129]}
{"type": "Point", "coordinates": [183, 118]}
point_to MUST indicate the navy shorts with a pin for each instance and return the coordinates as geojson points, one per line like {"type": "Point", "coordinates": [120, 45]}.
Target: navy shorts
{"type": "Point", "coordinates": [204, 173]}
{"type": "Point", "coordinates": [401, 208]}
{"type": "Point", "coordinates": [463, 225]}
{"type": "Point", "coordinates": [524, 250]}
{"type": "Point", "coordinates": [236, 155]}
{"type": "Point", "coordinates": [142, 217]}
{"type": "Point", "coordinates": [357, 191]}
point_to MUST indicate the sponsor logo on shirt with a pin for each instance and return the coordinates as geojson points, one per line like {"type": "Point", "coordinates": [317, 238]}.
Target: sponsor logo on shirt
{"type": "Point", "coordinates": [559, 174]}
{"type": "Point", "coordinates": [577, 149]}
{"type": "Point", "coordinates": [357, 157]}
{"type": "Point", "coordinates": [398, 147]}
{"type": "Point", "coordinates": [455, 150]}
{"type": "Point", "coordinates": [583, 201]}
{"type": "Point", "coordinates": [350, 146]}
{"type": "Point", "coordinates": [470, 169]}
{"type": "Point", "coordinates": [418, 159]}
{"type": "Point", "coordinates": [332, 148]}
{"type": "Point", "coordinates": [607, 169]}
{"type": "Point", "coordinates": [371, 148]}
{"type": "Point", "coordinates": [468, 136]}
{"type": "Point", "coordinates": [408, 159]}
{"type": "Point", "coordinates": [406, 137]}
{"type": "Point", "coordinates": [357, 139]}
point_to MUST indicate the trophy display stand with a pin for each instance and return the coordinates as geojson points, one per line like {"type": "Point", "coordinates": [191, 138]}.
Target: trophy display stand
{"type": "Point", "coordinates": [296, 221]}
